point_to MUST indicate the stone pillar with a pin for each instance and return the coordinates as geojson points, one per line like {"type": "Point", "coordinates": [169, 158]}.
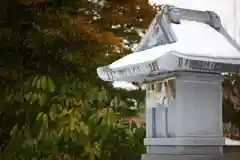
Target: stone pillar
{"type": "Point", "coordinates": [189, 125]}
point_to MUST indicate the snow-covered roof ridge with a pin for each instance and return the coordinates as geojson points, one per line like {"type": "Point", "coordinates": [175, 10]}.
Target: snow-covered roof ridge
{"type": "Point", "coordinates": [228, 10]}
{"type": "Point", "coordinates": [156, 34]}
{"type": "Point", "coordinates": [194, 39]}
{"type": "Point", "coordinates": [171, 45]}
{"type": "Point", "coordinates": [160, 32]}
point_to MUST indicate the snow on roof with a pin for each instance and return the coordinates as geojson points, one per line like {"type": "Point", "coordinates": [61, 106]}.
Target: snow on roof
{"type": "Point", "coordinates": [200, 39]}
{"type": "Point", "coordinates": [194, 39]}
{"type": "Point", "coordinates": [228, 10]}
{"type": "Point", "coordinates": [230, 142]}
{"type": "Point", "coordinates": [124, 85]}
{"type": "Point", "coordinates": [141, 57]}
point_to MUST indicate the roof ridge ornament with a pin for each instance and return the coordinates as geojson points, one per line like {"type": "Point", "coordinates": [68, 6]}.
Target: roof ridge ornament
{"type": "Point", "coordinates": [174, 14]}
{"type": "Point", "coordinates": [214, 20]}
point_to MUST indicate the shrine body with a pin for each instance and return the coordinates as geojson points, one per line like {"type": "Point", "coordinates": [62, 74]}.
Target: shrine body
{"type": "Point", "coordinates": [180, 60]}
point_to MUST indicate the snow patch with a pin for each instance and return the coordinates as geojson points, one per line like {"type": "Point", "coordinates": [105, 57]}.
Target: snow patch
{"type": "Point", "coordinates": [228, 10]}
{"type": "Point", "coordinates": [199, 39]}
{"type": "Point", "coordinates": [230, 142]}
{"type": "Point", "coordinates": [193, 39]}
{"type": "Point", "coordinates": [124, 85]}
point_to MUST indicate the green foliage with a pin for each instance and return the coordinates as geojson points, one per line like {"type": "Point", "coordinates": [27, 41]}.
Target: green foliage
{"type": "Point", "coordinates": [66, 122]}
{"type": "Point", "coordinates": [52, 104]}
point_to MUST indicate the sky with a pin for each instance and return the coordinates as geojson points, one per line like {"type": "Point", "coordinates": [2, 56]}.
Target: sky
{"type": "Point", "coordinates": [228, 10]}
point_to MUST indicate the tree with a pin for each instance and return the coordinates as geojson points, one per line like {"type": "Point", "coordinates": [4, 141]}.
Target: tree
{"type": "Point", "coordinates": [231, 100]}
{"type": "Point", "coordinates": [49, 89]}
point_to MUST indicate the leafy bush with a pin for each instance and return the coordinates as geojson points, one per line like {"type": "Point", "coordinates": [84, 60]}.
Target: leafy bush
{"type": "Point", "coordinates": [68, 121]}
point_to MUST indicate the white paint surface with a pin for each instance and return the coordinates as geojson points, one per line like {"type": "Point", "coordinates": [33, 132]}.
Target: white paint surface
{"type": "Point", "coordinates": [228, 10]}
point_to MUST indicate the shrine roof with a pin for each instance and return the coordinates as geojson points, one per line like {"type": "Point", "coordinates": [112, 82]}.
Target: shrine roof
{"type": "Point", "coordinates": [196, 43]}
{"type": "Point", "coordinates": [194, 40]}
